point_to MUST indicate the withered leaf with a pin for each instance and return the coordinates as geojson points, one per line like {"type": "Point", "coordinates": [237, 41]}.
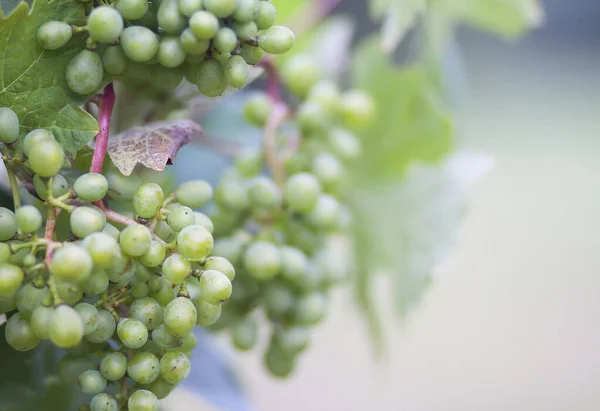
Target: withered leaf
{"type": "Point", "coordinates": [153, 145]}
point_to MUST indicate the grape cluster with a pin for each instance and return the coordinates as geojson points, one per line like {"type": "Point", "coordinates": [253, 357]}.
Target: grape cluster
{"type": "Point", "coordinates": [209, 42]}
{"type": "Point", "coordinates": [283, 237]}
{"type": "Point", "coordinates": [121, 298]}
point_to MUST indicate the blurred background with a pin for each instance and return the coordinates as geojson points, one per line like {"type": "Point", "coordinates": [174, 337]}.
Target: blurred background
{"type": "Point", "coordinates": [511, 321]}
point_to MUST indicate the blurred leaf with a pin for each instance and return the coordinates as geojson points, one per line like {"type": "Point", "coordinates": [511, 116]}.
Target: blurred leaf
{"type": "Point", "coordinates": [32, 80]}
{"type": "Point", "coordinates": [7, 6]}
{"type": "Point", "coordinates": [287, 9]}
{"type": "Point", "coordinates": [401, 16]}
{"type": "Point", "coordinates": [153, 145]}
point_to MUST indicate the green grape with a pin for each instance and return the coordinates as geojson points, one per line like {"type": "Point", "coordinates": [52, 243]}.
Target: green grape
{"type": "Point", "coordinates": [70, 366]}
{"type": "Point", "coordinates": [193, 45]}
{"type": "Point", "coordinates": [139, 44]}
{"type": "Point", "coordinates": [220, 8]}
{"type": "Point", "coordinates": [105, 24]}
{"type": "Point", "coordinates": [143, 367]}
{"type": "Point", "coordinates": [204, 220]}
{"type": "Point", "coordinates": [195, 242]}
{"type": "Point", "coordinates": [189, 7]}
{"type": "Point", "coordinates": [69, 293]}
{"type": "Point", "coordinates": [328, 169]}
{"type": "Point", "coordinates": [113, 366]}
{"type": "Point", "coordinates": [105, 330]}
{"type": "Point", "coordinates": [326, 214]}
{"type": "Point", "coordinates": [194, 194]}
{"type": "Point", "coordinates": [220, 56]}
{"type": "Point", "coordinates": [176, 269]}
{"type": "Point", "coordinates": [86, 221]}
{"type": "Point", "coordinates": [9, 126]}
{"type": "Point", "coordinates": [229, 248]}
{"type": "Point", "coordinates": [155, 255]}
{"type": "Point", "coordinates": [29, 260]}
{"type": "Point", "coordinates": [5, 252]}
{"type": "Point", "coordinates": [89, 316]}
{"type": "Point", "coordinates": [40, 322]}
{"type": "Point", "coordinates": [189, 342]}
{"type": "Point", "coordinates": [244, 335]}
{"type": "Point", "coordinates": [211, 79]}
{"type": "Point", "coordinates": [204, 25]}
{"type": "Point", "coordinates": [294, 264]}
{"type": "Point", "coordinates": [215, 287]}
{"type": "Point", "coordinates": [122, 187]}
{"type": "Point", "coordinates": [114, 60]}
{"type": "Point", "coordinates": [8, 303]}
{"type": "Point", "coordinates": [207, 313]}
{"type": "Point", "coordinates": [293, 339]}
{"type": "Point", "coordinates": [357, 107]}
{"type": "Point", "coordinates": [46, 158]}
{"type": "Point", "coordinates": [181, 217]}
{"type": "Point", "coordinates": [91, 382]}
{"type": "Point", "coordinates": [220, 264]}
{"type": "Point", "coordinates": [262, 260]}
{"type": "Point", "coordinates": [232, 194]}
{"type": "Point", "coordinates": [265, 15]}
{"type": "Point", "coordinates": [264, 193]}
{"type": "Point", "coordinates": [251, 55]}
{"type": "Point", "coordinates": [66, 327]}
{"type": "Point", "coordinates": [139, 289]}
{"type": "Point", "coordinates": [72, 263]}
{"type": "Point", "coordinates": [34, 137]}
{"type": "Point", "coordinates": [312, 118]}
{"type": "Point", "coordinates": [327, 95]}
{"type": "Point", "coordinates": [276, 40]}
{"type": "Point", "coordinates": [91, 187]}
{"type": "Point", "coordinates": [60, 186]}
{"type": "Point", "coordinates": [103, 249]}
{"type": "Point", "coordinates": [104, 402]}
{"type": "Point", "coordinates": [180, 317]}
{"type": "Point", "coordinates": [165, 340]}
{"type": "Point", "coordinates": [170, 52]}
{"type": "Point", "coordinates": [161, 388]}
{"type": "Point", "coordinates": [148, 199]}
{"type": "Point", "coordinates": [149, 19]}
{"type": "Point", "coordinates": [236, 71]}
{"type": "Point", "coordinates": [310, 309]}
{"type": "Point", "coordinates": [258, 109]}
{"type": "Point", "coordinates": [132, 333]}
{"type": "Point", "coordinates": [278, 299]}
{"type": "Point", "coordinates": [245, 31]}
{"type": "Point", "coordinates": [135, 240]}
{"type": "Point", "coordinates": [11, 278]}
{"type": "Point", "coordinates": [165, 294]}
{"type": "Point", "coordinates": [193, 288]}
{"type": "Point", "coordinates": [167, 78]}
{"type": "Point", "coordinates": [19, 334]}
{"type": "Point", "coordinates": [169, 18]}
{"type": "Point", "coordinates": [225, 41]}
{"type": "Point", "coordinates": [247, 10]}
{"type": "Point", "coordinates": [132, 9]}
{"type": "Point", "coordinates": [142, 400]}
{"type": "Point", "coordinates": [54, 34]}
{"type": "Point", "coordinates": [344, 144]}
{"type": "Point", "coordinates": [147, 311]}
{"type": "Point", "coordinates": [175, 367]}
{"type": "Point", "coordinates": [30, 297]}
{"type": "Point", "coordinates": [84, 75]}
{"type": "Point", "coordinates": [300, 74]}
{"type": "Point", "coordinates": [29, 219]}
{"type": "Point", "coordinates": [301, 191]}
{"type": "Point", "coordinates": [164, 231]}
{"type": "Point", "coordinates": [278, 362]}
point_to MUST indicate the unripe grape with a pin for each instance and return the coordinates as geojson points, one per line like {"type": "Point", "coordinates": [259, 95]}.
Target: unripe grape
{"type": "Point", "coordinates": [103, 402]}
{"type": "Point", "coordinates": [166, 78]}
{"type": "Point", "coordinates": [191, 44]}
{"type": "Point", "coordinates": [148, 199]}
{"type": "Point", "coordinates": [174, 367]}
{"type": "Point", "coordinates": [139, 289]}
{"type": "Point", "coordinates": [105, 24]}
{"type": "Point", "coordinates": [180, 217]}
{"type": "Point", "coordinates": [103, 249]}
{"type": "Point", "coordinates": [5, 252]}
{"type": "Point", "coordinates": [180, 317]}
{"type": "Point", "coordinates": [66, 327]}
{"type": "Point", "coordinates": [29, 297]}
{"type": "Point", "coordinates": [91, 382]}
{"type": "Point", "coordinates": [60, 186]}
{"type": "Point", "coordinates": [247, 10]}
{"type": "Point", "coordinates": [312, 118]}
{"type": "Point", "coordinates": [105, 330]}
{"type": "Point", "coordinates": [215, 287]}
{"type": "Point", "coordinates": [71, 263]}
{"type": "Point", "coordinates": [113, 366]}
{"type": "Point", "coordinates": [301, 191]}
{"type": "Point", "coordinates": [258, 109]}
{"type": "Point", "coordinates": [300, 74]}
{"type": "Point", "coordinates": [54, 34]}
{"type": "Point", "coordinates": [276, 40]}
{"type": "Point", "coordinates": [163, 294]}
{"type": "Point", "coordinates": [204, 220]}
{"type": "Point", "coordinates": [114, 60]}
{"type": "Point", "coordinates": [207, 313]}
{"type": "Point", "coordinates": [232, 194]}
{"type": "Point", "coordinates": [132, 9]}
{"type": "Point", "coordinates": [204, 25]}
{"type": "Point", "coordinates": [91, 187]}
{"type": "Point", "coordinates": [69, 293]}
{"type": "Point", "coordinates": [236, 71]}
{"type": "Point", "coordinates": [19, 334]}
{"type": "Point", "coordinates": [143, 368]}
{"type": "Point", "coordinates": [34, 137]}
{"type": "Point", "coordinates": [326, 213]}
{"type": "Point", "coordinates": [262, 260]}
{"type": "Point", "coordinates": [251, 55]}
{"type": "Point", "coordinates": [225, 41]}
{"type": "Point", "coordinates": [328, 169]}
{"type": "Point", "coordinates": [132, 333]}
{"type": "Point", "coordinates": [264, 193]}
{"type": "Point", "coordinates": [169, 18]}
{"type": "Point", "coordinates": [210, 78]}
{"type": "Point", "coordinates": [135, 240]}
{"type": "Point", "coordinates": [155, 255]}
{"type": "Point", "coordinates": [97, 283]}
{"type": "Point", "coordinates": [161, 388]}
{"type": "Point", "coordinates": [327, 95]}
{"type": "Point", "coordinates": [229, 248]}
{"type": "Point", "coordinates": [89, 316]}
{"type": "Point", "coordinates": [194, 242]}
{"type": "Point", "coordinates": [40, 322]}
{"type": "Point", "coordinates": [310, 309]}
{"type": "Point", "coordinates": [164, 231]}
{"type": "Point", "coordinates": [148, 311]}
{"type": "Point", "coordinates": [29, 219]}
{"type": "Point", "coordinates": [279, 363]}
{"type": "Point", "coordinates": [220, 264]}
{"type": "Point", "coordinates": [9, 126]}
{"type": "Point", "coordinates": [358, 108]}
{"type": "Point", "coordinates": [86, 221]}
{"type": "Point", "coordinates": [294, 264]}
{"type": "Point", "coordinates": [244, 335]}
{"type": "Point", "coordinates": [46, 158]}
{"type": "Point", "coordinates": [189, 7]}
{"type": "Point", "coordinates": [293, 339]}
{"type": "Point", "coordinates": [265, 15]}
{"type": "Point", "coordinates": [139, 43]}
{"type": "Point", "coordinates": [194, 194]}
{"type": "Point", "coordinates": [8, 303]}
{"type": "Point", "coordinates": [176, 269]}
{"type": "Point", "coordinates": [84, 73]}
{"type": "Point", "coordinates": [220, 8]}
{"type": "Point", "coordinates": [165, 340]}
{"type": "Point", "coordinates": [188, 343]}
{"type": "Point", "coordinates": [142, 400]}
{"type": "Point", "coordinates": [344, 144]}
{"type": "Point", "coordinates": [278, 299]}
{"type": "Point", "coordinates": [170, 52]}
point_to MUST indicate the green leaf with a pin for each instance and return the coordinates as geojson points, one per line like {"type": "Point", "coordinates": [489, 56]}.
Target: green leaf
{"type": "Point", "coordinates": [32, 80]}
{"type": "Point", "coordinates": [287, 9]}
{"type": "Point", "coordinates": [153, 145]}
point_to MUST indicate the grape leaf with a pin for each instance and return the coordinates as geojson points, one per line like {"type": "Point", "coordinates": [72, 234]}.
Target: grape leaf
{"type": "Point", "coordinates": [153, 145]}
{"type": "Point", "coordinates": [32, 80]}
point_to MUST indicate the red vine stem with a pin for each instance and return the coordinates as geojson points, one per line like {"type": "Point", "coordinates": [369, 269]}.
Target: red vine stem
{"type": "Point", "coordinates": [106, 108]}
{"type": "Point", "coordinates": [273, 79]}
{"type": "Point", "coordinates": [279, 114]}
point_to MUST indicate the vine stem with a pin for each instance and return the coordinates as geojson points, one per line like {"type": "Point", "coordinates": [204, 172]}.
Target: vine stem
{"type": "Point", "coordinates": [273, 88]}
{"type": "Point", "coordinates": [49, 236]}
{"type": "Point", "coordinates": [14, 186]}
{"type": "Point", "coordinates": [106, 108]}
{"type": "Point", "coordinates": [278, 115]}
